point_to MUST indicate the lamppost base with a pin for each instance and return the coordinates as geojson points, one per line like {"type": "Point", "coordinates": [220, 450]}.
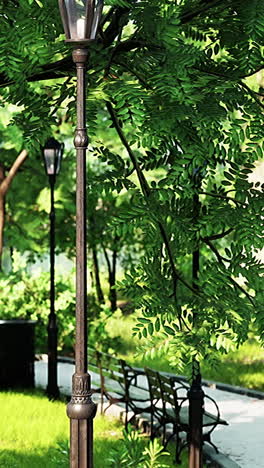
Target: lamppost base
{"type": "Point", "coordinates": [52, 385]}
{"type": "Point", "coordinates": [81, 455]}
{"type": "Point", "coordinates": [81, 410]}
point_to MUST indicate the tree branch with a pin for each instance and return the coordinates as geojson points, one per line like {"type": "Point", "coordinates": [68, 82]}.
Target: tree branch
{"type": "Point", "coordinates": [107, 261]}
{"type": "Point", "coordinates": [61, 68]}
{"type": "Point", "coordinates": [252, 93]}
{"type": "Point", "coordinates": [223, 197]}
{"type": "Point", "coordinates": [220, 259]}
{"type": "Point", "coordinates": [147, 192]}
{"type": "Point", "coordinates": [236, 76]}
{"type": "Point", "coordinates": [5, 182]}
{"type": "Point", "coordinates": [12, 172]}
{"type": "Point", "coordinates": [134, 73]}
{"type": "Point", "coordinates": [217, 236]}
{"type": "Point", "coordinates": [253, 72]}
{"type": "Point", "coordinates": [113, 29]}
{"type": "Point", "coordinates": [189, 16]}
{"type": "Point", "coordinates": [118, 17]}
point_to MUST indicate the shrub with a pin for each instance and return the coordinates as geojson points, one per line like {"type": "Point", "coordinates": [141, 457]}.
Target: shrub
{"type": "Point", "coordinates": [27, 296]}
{"type": "Point", "coordinates": [132, 453]}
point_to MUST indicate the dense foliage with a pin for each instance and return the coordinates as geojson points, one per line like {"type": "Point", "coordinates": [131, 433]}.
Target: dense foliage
{"type": "Point", "coordinates": [27, 297]}
{"type": "Point", "coordinates": [175, 118]}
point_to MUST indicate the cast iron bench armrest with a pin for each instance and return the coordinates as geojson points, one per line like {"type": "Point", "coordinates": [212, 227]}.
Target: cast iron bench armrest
{"type": "Point", "coordinates": [218, 420]}
{"type": "Point", "coordinates": [217, 417]}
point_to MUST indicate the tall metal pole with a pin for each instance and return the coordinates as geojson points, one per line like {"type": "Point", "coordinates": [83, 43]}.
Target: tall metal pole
{"type": "Point", "coordinates": [52, 387]}
{"type": "Point", "coordinates": [196, 394]}
{"type": "Point", "coordinates": [196, 410]}
{"type": "Point", "coordinates": [81, 409]}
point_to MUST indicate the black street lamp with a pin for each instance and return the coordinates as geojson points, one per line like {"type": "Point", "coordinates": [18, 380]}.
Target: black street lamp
{"type": "Point", "coordinates": [80, 20]}
{"type": "Point", "coordinates": [52, 154]}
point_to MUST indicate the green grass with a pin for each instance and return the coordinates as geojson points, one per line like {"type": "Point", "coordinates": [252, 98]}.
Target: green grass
{"type": "Point", "coordinates": [30, 429]}
{"type": "Point", "coordinates": [34, 433]}
{"type": "Point", "coordinates": [243, 367]}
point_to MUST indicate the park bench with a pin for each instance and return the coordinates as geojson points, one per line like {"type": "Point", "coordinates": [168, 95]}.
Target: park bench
{"type": "Point", "coordinates": [118, 383]}
{"type": "Point", "coordinates": [158, 397]}
{"type": "Point", "coordinates": [169, 405]}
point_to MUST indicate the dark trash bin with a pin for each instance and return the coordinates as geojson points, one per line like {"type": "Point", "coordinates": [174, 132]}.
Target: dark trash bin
{"type": "Point", "coordinates": [17, 353]}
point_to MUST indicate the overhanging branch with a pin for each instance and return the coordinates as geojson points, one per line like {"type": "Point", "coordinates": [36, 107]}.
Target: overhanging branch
{"type": "Point", "coordinates": [190, 15]}
{"type": "Point", "coordinates": [146, 192]}
{"type": "Point", "coordinates": [235, 284]}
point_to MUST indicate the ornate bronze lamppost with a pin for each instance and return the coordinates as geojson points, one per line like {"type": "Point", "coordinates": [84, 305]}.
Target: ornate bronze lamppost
{"type": "Point", "coordinates": [80, 20]}
{"type": "Point", "coordinates": [52, 154]}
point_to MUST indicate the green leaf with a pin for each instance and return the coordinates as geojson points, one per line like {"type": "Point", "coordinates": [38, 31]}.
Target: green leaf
{"type": "Point", "coordinates": [169, 330]}
{"type": "Point", "coordinates": [157, 325]}
{"type": "Point", "coordinates": [150, 328]}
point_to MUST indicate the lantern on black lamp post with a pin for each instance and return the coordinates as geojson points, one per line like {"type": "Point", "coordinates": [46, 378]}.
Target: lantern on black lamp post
{"type": "Point", "coordinates": [80, 20]}
{"type": "Point", "coordinates": [52, 154]}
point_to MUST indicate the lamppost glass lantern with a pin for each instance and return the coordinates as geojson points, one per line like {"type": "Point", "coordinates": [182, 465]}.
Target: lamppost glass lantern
{"type": "Point", "coordinates": [52, 153]}
{"type": "Point", "coordinates": [80, 19]}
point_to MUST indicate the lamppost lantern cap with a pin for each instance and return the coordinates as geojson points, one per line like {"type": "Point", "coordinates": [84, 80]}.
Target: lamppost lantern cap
{"type": "Point", "coordinates": [80, 19]}
{"type": "Point", "coordinates": [52, 154]}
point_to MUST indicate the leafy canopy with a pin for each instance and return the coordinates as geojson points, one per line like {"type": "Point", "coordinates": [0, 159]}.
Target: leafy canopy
{"type": "Point", "coordinates": [179, 84]}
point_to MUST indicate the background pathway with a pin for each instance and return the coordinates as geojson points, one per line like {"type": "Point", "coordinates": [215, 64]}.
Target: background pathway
{"type": "Point", "coordinates": [242, 440]}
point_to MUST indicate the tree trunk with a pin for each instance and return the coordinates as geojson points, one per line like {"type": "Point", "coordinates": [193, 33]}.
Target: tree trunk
{"type": "Point", "coordinates": [99, 291]}
{"type": "Point", "coordinates": [5, 182]}
{"type": "Point", "coordinates": [2, 214]}
{"type": "Point", "coordinates": [2, 224]}
{"type": "Point", "coordinates": [196, 253]}
{"type": "Point", "coordinates": [111, 278]}
{"type": "Point", "coordinates": [112, 282]}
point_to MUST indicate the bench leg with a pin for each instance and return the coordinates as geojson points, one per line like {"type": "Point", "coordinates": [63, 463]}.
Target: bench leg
{"type": "Point", "coordinates": [164, 434]}
{"type": "Point", "coordinates": [126, 417]}
{"type": "Point", "coordinates": [151, 426]}
{"type": "Point", "coordinates": [178, 447]}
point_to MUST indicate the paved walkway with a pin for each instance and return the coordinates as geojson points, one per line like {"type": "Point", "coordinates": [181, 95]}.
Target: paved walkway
{"type": "Point", "coordinates": [242, 440]}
